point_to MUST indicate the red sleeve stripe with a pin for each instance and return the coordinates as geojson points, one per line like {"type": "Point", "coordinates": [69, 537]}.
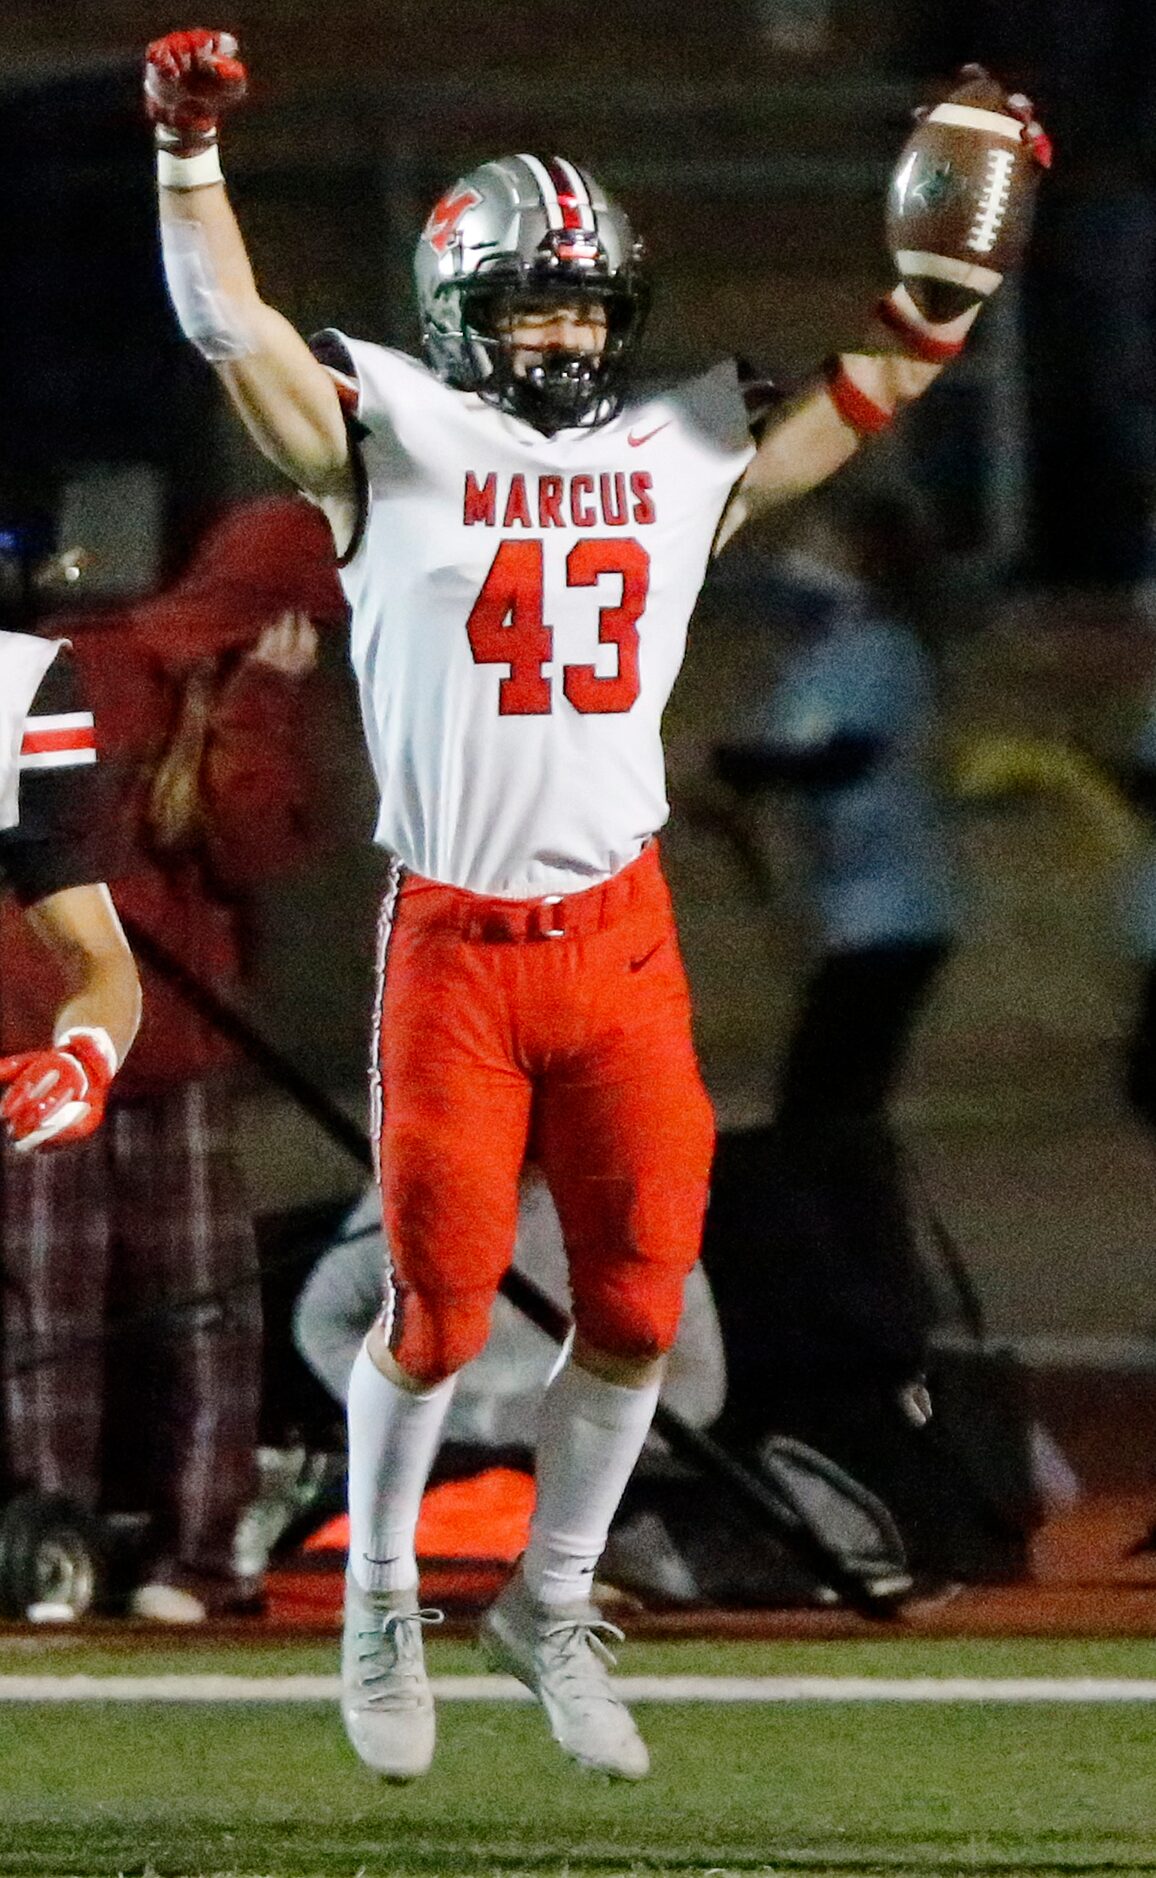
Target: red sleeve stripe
{"type": "Point", "coordinates": [58, 742]}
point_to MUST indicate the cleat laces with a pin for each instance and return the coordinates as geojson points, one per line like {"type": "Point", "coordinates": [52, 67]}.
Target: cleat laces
{"type": "Point", "coordinates": [391, 1670]}
{"type": "Point", "coordinates": [576, 1656]}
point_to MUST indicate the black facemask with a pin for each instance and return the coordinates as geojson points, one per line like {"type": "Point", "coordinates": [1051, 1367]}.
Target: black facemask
{"type": "Point", "coordinates": [562, 390]}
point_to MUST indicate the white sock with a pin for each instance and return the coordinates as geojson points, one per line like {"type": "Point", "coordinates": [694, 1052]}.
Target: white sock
{"type": "Point", "coordinates": [590, 1434]}
{"type": "Point", "coordinates": [393, 1437]}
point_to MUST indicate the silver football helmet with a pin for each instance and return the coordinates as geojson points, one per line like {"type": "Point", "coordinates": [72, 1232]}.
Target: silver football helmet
{"type": "Point", "coordinates": [521, 229]}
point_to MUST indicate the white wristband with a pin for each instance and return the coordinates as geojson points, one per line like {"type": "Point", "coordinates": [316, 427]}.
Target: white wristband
{"type": "Point", "coordinates": [189, 172]}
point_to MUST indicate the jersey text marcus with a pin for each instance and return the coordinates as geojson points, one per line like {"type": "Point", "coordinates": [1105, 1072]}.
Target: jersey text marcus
{"type": "Point", "coordinates": [577, 501]}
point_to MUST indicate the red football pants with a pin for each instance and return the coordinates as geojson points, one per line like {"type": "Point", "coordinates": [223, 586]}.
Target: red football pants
{"type": "Point", "coordinates": [558, 1031]}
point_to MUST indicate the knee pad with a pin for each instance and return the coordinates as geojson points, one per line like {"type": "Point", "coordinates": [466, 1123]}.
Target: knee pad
{"type": "Point", "coordinates": [435, 1333]}
{"type": "Point", "coordinates": [630, 1309]}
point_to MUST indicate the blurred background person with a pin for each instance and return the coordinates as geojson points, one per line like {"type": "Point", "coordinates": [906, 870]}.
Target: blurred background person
{"type": "Point", "coordinates": [496, 1402]}
{"type": "Point", "coordinates": [203, 696]}
{"type": "Point", "coordinates": [846, 738]}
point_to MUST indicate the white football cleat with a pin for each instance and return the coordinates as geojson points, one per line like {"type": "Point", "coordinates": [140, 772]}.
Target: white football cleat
{"type": "Point", "coordinates": [386, 1702]}
{"type": "Point", "coordinates": [561, 1654]}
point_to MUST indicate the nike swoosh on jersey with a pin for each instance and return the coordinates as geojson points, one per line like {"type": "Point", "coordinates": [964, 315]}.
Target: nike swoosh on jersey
{"type": "Point", "coordinates": [635, 442]}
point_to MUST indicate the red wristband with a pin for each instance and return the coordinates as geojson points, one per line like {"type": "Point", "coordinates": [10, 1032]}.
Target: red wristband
{"type": "Point", "coordinates": [853, 405]}
{"type": "Point", "coordinates": [920, 343]}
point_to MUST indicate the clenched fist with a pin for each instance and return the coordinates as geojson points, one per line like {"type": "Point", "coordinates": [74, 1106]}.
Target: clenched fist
{"type": "Point", "coordinates": [57, 1095]}
{"type": "Point", "coordinates": [190, 79]}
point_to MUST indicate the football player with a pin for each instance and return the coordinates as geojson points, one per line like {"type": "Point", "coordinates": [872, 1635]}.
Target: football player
{"type": "Point", "coordinates": [522, 537]}
{"type": "Point", "coordinates": [47, 749]}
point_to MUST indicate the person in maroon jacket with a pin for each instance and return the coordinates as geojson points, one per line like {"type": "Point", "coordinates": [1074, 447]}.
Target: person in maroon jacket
{"type": "Point", "coordinates": [203, 696]}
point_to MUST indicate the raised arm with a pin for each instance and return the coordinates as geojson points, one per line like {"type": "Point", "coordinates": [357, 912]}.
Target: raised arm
{"type": "Point", "coordinates": [856, 395]}
{"type": "Point", "coordinates": [963, 186]}
{"type": "Point", "coordinates": [287, 401]}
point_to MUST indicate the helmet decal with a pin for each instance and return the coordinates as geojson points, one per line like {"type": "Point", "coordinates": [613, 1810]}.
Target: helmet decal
{"type": "Point", "coordinates": [446, 214]}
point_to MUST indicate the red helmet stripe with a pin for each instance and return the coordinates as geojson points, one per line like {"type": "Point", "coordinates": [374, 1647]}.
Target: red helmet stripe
{"type": "Point", "coordinates": [573, 196]}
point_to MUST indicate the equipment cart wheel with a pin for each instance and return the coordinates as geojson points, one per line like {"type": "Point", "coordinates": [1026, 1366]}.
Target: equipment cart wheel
{"type": "Point", "coordinates": [52, 1563]}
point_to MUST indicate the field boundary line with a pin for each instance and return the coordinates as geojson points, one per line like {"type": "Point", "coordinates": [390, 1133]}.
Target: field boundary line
{"type": "Point", "coordinates": [708, 1689]}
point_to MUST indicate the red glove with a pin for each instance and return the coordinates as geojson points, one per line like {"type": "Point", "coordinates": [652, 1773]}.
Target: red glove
{"type": "Point", "coordinates": [190, 79]}
{"type": "Point", "coordinates": [1016, 104]}
{"type": "Point", "coordinates": [1035, 136]}
{"type": "Point", "coordinates": [58, 1095]}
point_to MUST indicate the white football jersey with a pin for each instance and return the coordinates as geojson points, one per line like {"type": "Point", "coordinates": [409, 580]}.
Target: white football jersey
{"type": "Point", "coordinates": [520, 606]}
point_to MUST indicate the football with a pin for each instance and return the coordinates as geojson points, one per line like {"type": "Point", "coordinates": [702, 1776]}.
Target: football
{"type": "Point", "coordinates": [960, 203]}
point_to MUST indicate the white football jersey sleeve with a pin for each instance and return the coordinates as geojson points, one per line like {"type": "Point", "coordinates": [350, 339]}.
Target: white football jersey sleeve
{"type": "Point", "coordinates": [23, 663]}
{"type": "Point", "coordinates": [520, 606]}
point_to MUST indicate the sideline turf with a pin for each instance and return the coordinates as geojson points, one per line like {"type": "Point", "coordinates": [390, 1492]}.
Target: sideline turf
{"type": "Point", "coordinates": [818, 1790]}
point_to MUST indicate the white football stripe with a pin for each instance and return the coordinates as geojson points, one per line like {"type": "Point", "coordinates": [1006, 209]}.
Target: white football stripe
{"type": "Point", "coordinates": [60, 720]}
{"type": "Point", "coordinates": [545, 182]}
{"type": "Point", "coordinates": [982, 280]}
{"type": "Point", "coordinates": [57, 759]}
{"type": "Point", "coordinates": [715, 1689]}
{"type": "Point", "coordinates": [970, 117]}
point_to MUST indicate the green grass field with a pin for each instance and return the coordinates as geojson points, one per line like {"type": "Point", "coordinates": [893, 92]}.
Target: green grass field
{"type": "Point", "coordinates": [816, 1788]}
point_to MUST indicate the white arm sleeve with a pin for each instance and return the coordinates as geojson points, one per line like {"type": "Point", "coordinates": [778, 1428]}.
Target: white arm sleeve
{"type": "Point", "coordinates": [207, 316]}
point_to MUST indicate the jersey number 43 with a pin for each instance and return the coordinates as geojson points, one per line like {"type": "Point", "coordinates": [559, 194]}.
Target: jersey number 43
{"type": "Point", "coordinates": [506, 626]}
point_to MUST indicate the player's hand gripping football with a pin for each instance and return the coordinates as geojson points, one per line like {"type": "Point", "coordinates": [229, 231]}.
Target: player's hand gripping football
{"type": "Point", "coordinates": [56, 1096]}
{"type": "Point", "coordinates": [960, 207]}
{"type": "Point", "coordinates": [191, 78]}
{"type": "Point", "coordinates": [1016, 103]}
{"type": "Point", "coordinates": [1036, 139]}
